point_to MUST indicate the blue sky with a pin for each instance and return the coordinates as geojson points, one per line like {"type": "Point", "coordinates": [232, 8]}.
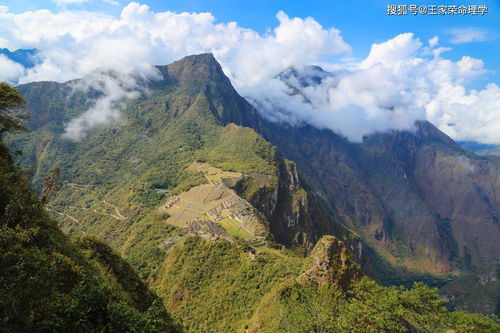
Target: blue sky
{"type": "Point", "coordinates": [361, 22]}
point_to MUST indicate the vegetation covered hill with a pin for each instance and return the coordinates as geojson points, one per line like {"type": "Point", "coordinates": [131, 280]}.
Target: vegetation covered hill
{"type": "Point", "coordinates": [219, 287]}
{"type": "Point", "coordinates": [50, 283]}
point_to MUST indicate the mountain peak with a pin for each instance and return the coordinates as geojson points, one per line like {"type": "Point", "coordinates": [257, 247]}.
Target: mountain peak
{"type": "Point", "coordinates": [196, 68]}
{"type": "Point", "coordinates": [204, 75]}
{"type": "Point", "coordinates": [304, 77]}
{"type": "Point", "coordinates": [206, 59]}
{"type": "Point", "coordinates": [201, 57]}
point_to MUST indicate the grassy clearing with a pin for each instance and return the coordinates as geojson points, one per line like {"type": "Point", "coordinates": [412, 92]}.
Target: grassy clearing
{"type": "Point", "coordinates": [235, 229]}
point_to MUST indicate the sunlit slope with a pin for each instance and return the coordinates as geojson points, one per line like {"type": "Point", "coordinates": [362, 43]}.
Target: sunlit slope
{"type": "Point", "coordinates": [51, 283]}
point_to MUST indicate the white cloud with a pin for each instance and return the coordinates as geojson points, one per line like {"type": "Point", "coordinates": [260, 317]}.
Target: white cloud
{"type": "Point", "coordinates": [434, 41]}
{"type": "Point", "coordinates": [74, 42]}
{"type": "Point", "coordinates": [10, 71]}
{"type": "Point", "coordinates": [65, 2]}
{"type": "Point", "coordinates": [472, 117]}
{"type": "Point", "coordinates": [400, 81]}
{"type": "Point", "coordinates": [295, 42]}
{"type": "Point", "coordinates": [112, 2]}
{"type": "Point", "coordinates": [467, 35]}
{"type": "Point", "coordinates": [115, 87]}
{"type": "Point", "coordinates": [393, 52]}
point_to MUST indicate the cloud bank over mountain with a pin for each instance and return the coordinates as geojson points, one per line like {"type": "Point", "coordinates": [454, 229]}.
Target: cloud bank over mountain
{"type": "Point", "coordinates": [400, 81]}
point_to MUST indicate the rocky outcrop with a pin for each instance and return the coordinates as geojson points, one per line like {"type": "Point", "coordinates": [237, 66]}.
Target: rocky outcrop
{"type": "Point", "coordinates": [295, 217]}
{"type": "Point", "coordinates": [330, 263]}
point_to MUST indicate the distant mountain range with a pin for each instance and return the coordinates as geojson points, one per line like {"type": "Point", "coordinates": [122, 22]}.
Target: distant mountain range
{"type": "Point", "coordinates": [481, 148]}
{"type": "Point", "coordinates": [191, 157]}
{"type": "Point", "coordinates": [421, 189]}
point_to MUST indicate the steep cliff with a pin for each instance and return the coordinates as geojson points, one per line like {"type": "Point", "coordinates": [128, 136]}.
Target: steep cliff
{"type": "Point", "coordinates": [421, 201]}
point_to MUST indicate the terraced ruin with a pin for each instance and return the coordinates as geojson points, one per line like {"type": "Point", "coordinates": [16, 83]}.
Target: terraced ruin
{"type": "Point", "coordinates": [217, 203]}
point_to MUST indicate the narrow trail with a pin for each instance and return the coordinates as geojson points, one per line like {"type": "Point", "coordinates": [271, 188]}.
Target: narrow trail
{"type": "Point", "coordinates": [74, 219]}
{"type": "Point", "coordinates": [97, 212]}
{"type": "Point", "coordinates": [118, 214]}
{"type": "Point", "coordinates": [74, 185]}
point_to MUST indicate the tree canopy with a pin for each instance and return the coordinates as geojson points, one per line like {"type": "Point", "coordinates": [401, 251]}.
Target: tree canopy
{"type": "Point", "coordinates": [10, 103]}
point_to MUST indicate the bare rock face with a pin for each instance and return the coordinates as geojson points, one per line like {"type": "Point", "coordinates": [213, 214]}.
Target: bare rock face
{"type": "Point", "coordinates": [294, 215]}
{"type": "Point", "coordinates": [291, 176]}
{"type": "Point", "coordinates": [330, 263]}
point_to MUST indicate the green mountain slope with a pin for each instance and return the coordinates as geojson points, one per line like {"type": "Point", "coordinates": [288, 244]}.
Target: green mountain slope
{"type": "Point", "coordinates": [220, 287]}
{"type": "Point", "coordinates": [52, 284]}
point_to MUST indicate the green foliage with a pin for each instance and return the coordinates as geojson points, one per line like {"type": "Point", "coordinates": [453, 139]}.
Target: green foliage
{"type": "Point", "coordinates": [150, 198]}
{"type": "Point", "coordinates": [112, 268]}
{"type": "Point", "coordinates": [309, 309]}
{"type": "Point", "coordinates": [95, 308]}
{"type": "Point", "coordinates": [241, 149]}
{"type": "Point", "coordinates": [474, 322]}
{"type": "Point", "coordinates": [143, 246]}
{"type": "Point", "coordinates": [247, 187]}
{"type": "Point", "coordinates": [49, 284]}
{"type": "Point", "coordinates": [188, 180]}
{"type": "Point", "coordinates": [367, 307]}
{"type": "Point", "coordinates": [10, 102]}
{"type": "Point", "coordinates": [372, 308]}
{"type": "Point", "coordinates": [216, 286]}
